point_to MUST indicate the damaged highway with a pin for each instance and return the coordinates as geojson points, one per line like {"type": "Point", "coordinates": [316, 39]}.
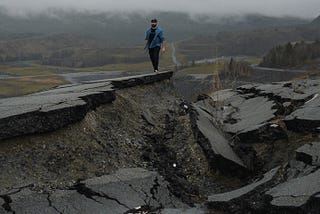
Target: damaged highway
{"type": "Point", "coordinates": [134, 145]}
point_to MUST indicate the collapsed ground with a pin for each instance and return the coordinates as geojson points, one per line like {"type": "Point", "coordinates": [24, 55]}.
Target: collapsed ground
{"type": "Point", "coordinates": [218, 144]}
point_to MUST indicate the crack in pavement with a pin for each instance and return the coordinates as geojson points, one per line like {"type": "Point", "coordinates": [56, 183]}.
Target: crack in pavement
{"type": "Point", "coordinates": [51, 204]}
{"type": "Point", "coordinates": [148, 198]}
{"type": "Point", "coordinates": [147, 208]}
{"type": "Point", "coordinates": [7, 199]}
{"type": "Point", "coordinates": [131, 187]}
{"type": "Point", "coordinates": [154, 190]}
{"type": "Point", "coordinates": [82, 189]}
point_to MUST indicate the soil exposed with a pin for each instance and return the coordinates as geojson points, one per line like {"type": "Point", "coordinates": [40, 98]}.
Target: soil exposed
{"type": "Point", "coordinates": [151, 127]}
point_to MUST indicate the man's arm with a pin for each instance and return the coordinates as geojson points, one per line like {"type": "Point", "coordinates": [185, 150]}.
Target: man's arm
{"type": "Point", "coordinates": [146, 40]}
{"type": "Point", "coordinates": [163, 45]}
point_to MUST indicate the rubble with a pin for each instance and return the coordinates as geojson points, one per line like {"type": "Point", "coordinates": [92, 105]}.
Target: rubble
{"type": "Point", "coordinates": [297, 195]}
{"type": "Point", "coordinates": [239, 194]}
{"type": "Point", "coordinates": [64, 105]}
{"type": "Point", "coordinates": [215, 145]}
{"type": "Point", "coordinates": [125, 191]}
{"type": "Point", "coordinates": [141, 153]}
{"type": "Point", "coordinates": [305, 118]}
{"type": "Point", "coordinates": [309, 154]}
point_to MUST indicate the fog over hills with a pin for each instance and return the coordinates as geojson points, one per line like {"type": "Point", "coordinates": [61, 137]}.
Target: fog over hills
{"type": "Point", "coordinates": [278, 8]}
{"type": "Point", "coordinates": [118, 29]}
{"type": "Point", "coordinates": [316, 22]}
{"type": "Point", "coordinates": [248, 42]}
{"type": "Point", "coordinates": [209, 29]}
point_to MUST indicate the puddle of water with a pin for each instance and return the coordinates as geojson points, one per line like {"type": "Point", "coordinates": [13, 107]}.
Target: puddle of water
{"type": "Point", "coordinates": [4, 76]}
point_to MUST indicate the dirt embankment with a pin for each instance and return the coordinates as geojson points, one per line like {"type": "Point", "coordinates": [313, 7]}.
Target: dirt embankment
{"type": "Point", "coordinates": [221, 152]}
{"type": "Point", "coordinates": [146, 126]}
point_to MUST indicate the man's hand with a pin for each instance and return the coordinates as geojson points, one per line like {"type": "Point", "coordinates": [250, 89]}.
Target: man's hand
{"type": "Point", "coordinates": [163, 50]}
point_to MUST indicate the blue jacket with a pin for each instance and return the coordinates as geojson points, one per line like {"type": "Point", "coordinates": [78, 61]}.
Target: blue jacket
{"type": "Point", "coordinates": [157, 40]}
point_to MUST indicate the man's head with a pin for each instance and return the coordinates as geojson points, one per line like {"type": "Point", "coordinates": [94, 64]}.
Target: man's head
{"type": "Point", "coordinates": [154, 23]}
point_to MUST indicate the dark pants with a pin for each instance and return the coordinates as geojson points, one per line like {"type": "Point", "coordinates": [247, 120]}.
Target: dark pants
{"type": "Point", "coordinates": [154, 56]}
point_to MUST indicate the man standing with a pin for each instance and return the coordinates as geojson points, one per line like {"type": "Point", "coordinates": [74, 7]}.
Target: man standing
{"type": "Point", "coordinates": [154, 42]}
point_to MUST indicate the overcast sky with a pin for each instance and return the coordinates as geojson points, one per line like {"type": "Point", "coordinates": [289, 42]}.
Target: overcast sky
{"type": "Point", "coordinates": [302, 8]}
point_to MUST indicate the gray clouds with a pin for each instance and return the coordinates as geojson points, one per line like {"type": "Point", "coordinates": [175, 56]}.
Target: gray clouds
{"type": "Point", "coordinates": [306, 8]}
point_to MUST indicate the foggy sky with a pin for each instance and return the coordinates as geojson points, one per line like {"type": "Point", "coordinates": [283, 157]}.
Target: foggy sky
{"type": "Point", "coordinates": [301, 8]}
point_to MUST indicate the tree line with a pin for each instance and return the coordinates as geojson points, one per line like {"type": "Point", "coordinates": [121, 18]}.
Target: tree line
{"type": "Point", "coordinates": [68, 50]}
{"type": "Point", "coordinates": [292, 55]}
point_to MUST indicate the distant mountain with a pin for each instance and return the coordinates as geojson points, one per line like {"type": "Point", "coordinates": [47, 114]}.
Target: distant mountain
{"type": "Point", "coordinates": [292, 55]}
{"type": "Point", "coordinates": [311, 31]}
{"type": "Point", "coordinates": [79, 39]}
{"type": "Point", "coordinates": [129, 29]}
{"type": "Point", "coordinates": [316, 22]}
{"type": "Point", "coordinates": [248, 42]}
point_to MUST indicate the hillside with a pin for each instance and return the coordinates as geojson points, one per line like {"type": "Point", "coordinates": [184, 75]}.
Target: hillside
{"type": "Point", "coordinates": [252, 43]}
{"type": "Point", "coordinates": [69, 50]}
{"type": "Point", "coordinates": [249, 42]}
{"type": "Point", "coordinates": [78, 39]}
{"type": "Point", "coordinates": [116, 29]}
{"type": "Point", "coordinates": [292, 55]}
{"type": "Point", "coordinates": [131, 144]}
{"type": "Point", "coordinates": [311, 31]}
{"type": "Point", "coordinates": [316, 22]}
{"type": "Point", "coordinates": [66, 43]}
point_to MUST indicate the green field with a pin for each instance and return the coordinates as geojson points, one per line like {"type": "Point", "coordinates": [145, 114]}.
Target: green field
{"type": "Point", "coordinates": [34, 77]}
{"type": "Point", "coordinates": [212, 68]}
{"type": "Point", "coordinates": [26, 85]}
{"type": "Point", "coordinates": [253, 60]}
{"type": "Point", "coordinates": [32, 70]}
